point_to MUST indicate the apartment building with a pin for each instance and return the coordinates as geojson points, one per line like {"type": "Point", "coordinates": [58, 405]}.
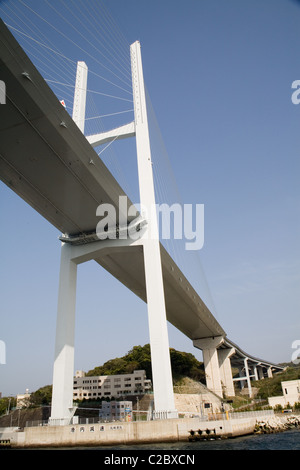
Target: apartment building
{"type": "Point", "coordinates": [115, 386]}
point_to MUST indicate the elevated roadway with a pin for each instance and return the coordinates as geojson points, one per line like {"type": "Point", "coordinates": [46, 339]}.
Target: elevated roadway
{"type": "Point", "coordinates": [49, 163]}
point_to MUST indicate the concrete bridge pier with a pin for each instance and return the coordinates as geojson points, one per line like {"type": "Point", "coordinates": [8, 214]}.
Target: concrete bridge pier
{"type": "Point", "coordinates": [211, 362]}
{"type": "Point", "coordinates": [225, 371]}
{"type": "Point", "coordinates": [217, 365]}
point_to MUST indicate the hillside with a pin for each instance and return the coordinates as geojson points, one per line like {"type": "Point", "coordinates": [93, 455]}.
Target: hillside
{"type": "Point", "coordinates": [271, 387]}
{"type": "Point", "coordinates": [139, 358]}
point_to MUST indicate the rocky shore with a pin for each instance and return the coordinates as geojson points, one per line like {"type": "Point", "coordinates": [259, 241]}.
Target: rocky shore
{"type": "Point", "coordinates": [277, 424]}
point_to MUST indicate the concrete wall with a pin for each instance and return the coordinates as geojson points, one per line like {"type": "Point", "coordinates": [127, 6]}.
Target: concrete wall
{"type": "Point", "coordinates": [170, 430]}
{"type": "Point", "coordinates": [274, 401]}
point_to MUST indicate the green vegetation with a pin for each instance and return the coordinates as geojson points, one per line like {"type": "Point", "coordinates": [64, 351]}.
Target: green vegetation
{"type": "Point", "coordinates": [271, 387]}
{"type": "Point", "coordinates": [41, 397]}
{"type": "Point", "coordinates": [6, 404]}
{"type": "Point", "coordinates": [139, 358]}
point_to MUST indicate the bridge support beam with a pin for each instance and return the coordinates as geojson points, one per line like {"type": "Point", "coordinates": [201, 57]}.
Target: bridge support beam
{"type": "Point", "coordinates": [211, 362]}
{"type": "Point", "coordinates": [260, 372]}
{"type": "Point", "coordinates": [79, 103]}
{"type": "Point", "coordinates": [159, 342]}
{"type": "Point", "coordinates": [225, 371]}
{"type": "Point", "coordinates": [63, 370]}
{"type": "Point", "coordinates": [72, 255]}
{"type": "Point", "coordinates": [248, 376]}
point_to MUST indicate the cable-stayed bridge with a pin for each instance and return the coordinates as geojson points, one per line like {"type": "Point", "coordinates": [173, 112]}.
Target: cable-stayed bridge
{"type": "Point", "coordinates": [49, 162]}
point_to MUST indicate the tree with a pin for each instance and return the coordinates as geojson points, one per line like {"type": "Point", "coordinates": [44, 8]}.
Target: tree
{"type": "Point", "coordinates": [6, 404]}
{"type": "Point", "coordinates": [42, 396]}
{"type": "Point", "coordinates": [139, 358]}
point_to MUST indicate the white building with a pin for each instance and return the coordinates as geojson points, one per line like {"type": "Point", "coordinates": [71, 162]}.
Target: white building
{"type": "Point", "coordinates": [115, 386]}
{"type": "Point", "coordinates": [116, 411]}
{"type": "Point", "coordinates": [291, 394]}
{"type": "Point", "coordinates": [23, 399]}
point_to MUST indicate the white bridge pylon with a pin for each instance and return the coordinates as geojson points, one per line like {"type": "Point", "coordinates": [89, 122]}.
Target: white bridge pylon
{"type": "Point", "coordinates": [72, 255]}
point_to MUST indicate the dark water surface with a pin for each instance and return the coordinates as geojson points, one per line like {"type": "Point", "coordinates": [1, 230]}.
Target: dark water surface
{"type": "Point", "coordinates": [178, 453]}
{"type": "Point", "coordinates": [287, 440]}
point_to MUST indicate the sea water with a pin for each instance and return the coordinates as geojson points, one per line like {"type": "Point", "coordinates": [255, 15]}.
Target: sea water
{"type": "Point", "coordinates": [281, 441]}
{"type": "Point", "coordinates": [287, 440]}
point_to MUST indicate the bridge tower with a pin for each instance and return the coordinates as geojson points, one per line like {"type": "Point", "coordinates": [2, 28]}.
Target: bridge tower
{"type": "Point", "coordinates": [159, 343]}
{"type": "Point", "coordinates": [62, 398]}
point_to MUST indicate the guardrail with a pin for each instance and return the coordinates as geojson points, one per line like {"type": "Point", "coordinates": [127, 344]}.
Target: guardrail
{"type": "Point", "coordinates": [251, 414]}
{"type": "Point", "coordinates": [142, 416]}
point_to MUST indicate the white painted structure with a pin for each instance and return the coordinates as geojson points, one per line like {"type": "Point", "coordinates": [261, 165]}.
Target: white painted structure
{"type": "Point", "coordinates": [62, 398]}
{"type": "Point", "coordinates": [54, 168]}
{"type": "Point", "coordinates": [79, 103]}
{"type": "Point", "coordinates": [291, 394]}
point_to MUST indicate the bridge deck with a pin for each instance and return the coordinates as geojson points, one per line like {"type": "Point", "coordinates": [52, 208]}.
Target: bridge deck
{"type": "Point", "coordinates": [47, 161]}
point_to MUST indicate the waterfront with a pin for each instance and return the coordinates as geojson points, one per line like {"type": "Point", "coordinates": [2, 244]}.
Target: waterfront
{"type": "Point", "coordinates": [257, 430]}
{"type": "Point", "coordinates": [286, 440]}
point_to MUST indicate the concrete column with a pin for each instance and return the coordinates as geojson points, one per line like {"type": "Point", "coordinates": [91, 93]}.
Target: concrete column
{"type": "Point", "coordinates": [79, 102]}
{"type": "Point", "coordinates": [63, 369]}
{"type": "Point", "coordinates": [242, 381]}
{"type": "Point", "coordinates": [159, 341]}
{"type": "Point", "coordinates": [255, 372]}
{"type": "Point", "coordinates": [260, 372]}
{"type": "Point", "coordinates": [211, 362]}
{"type": "Point", "coordinates": [248, 376]}
{"type": "Point", "coordinates": [225, 370]}
{"type": "Point", "coordinates": [269, 370]}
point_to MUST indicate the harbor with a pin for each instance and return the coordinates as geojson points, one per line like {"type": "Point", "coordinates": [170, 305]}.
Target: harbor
{"type": "Point", "coordinates": [187, 430]}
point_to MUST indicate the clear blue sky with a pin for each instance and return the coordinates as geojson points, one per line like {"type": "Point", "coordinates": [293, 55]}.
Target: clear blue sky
{"type": "Point", "coordinates": [219, 73]}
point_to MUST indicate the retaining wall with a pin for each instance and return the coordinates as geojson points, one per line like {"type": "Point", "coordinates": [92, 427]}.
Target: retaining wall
{"type": "Point", "coordinates": [103, 434]}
